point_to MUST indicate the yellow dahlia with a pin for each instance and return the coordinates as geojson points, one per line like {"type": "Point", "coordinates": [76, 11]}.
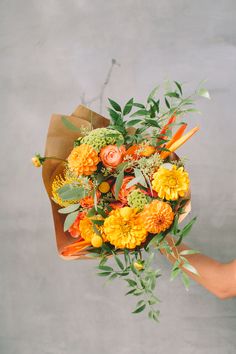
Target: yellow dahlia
{"type": "Point", "coordinates": [157, 216]}
{"type": "Point", "coordinates": [83, 160]}
{"type": "Point", "coordinates": [170, 184]}
{"type": "Point", "coordinates": [124, 229]}
{"type": "Point", "coordinates": [58, 182]}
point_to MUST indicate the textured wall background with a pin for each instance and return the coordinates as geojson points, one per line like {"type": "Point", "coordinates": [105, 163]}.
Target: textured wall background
{"type": "Point", "coordinates": [51, 52]}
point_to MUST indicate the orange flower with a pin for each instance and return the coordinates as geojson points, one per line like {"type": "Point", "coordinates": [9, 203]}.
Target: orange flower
{"type": "Point", "coordinates": [141, 150]}
{"type": "Point", "coordinates": [116, 205]}
{"type": "Point", "coordinates": [87, 228]}
{"type": "Point", "coordinates": [157, 216]}
{"type": "Point", "coordinates": [112, 155]}
{"type": "Point", "coordinates": [88, 202]}
{"type": "Point", "coordinates": [124, 191]}
{"type": "Point", "coordinates": [83, 160]}
{"type": "Point", "coordinates": [74, 229]}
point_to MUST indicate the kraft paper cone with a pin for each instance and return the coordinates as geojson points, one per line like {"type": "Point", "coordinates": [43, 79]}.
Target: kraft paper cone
{"type": "Point", "coordinates": [59, 143]}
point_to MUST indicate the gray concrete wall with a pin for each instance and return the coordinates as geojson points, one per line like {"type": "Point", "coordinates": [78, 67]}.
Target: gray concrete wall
{"type": "Point", "coordinates": [50, 53]}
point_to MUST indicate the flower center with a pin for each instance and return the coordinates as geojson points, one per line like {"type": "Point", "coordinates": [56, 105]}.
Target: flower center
{"type": "Point", "coordinates": [172, 182]}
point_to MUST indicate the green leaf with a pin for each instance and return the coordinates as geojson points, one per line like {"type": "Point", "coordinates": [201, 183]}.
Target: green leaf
{"type": "Point", "coordinates": [167, 103]}
{"type": "Point", "coordinates": [155, 315]}
{"type": "Point", "coordinates": [148, 262]}
{"type": "Point", "coordinates": [133, 122]}
{"type": "Point", "coordinates": [114, 115]}
{"type": "Point", "coordinates": [69, 209]}
{"type": "Point", "coordinates": [192, 110]}
{"type": "Point", "coordinates": [91, 212]}
{"type": "Point", "coordinates": [97, 222]}
{"type": "Point", "coordinates": [139, 105]}
{"type": "Point", "coordinates": [138, 174]}
{"type": "Point", "coordinates": [152, 123]}
{"type": "Point", "coordinates": [118, 184]}
{"type": "Point", "coordinates": [203, 93]}
{"type": "Point", "coordinates": [101, 212]}
{"type": "Point", "coordinates": [131, 282]}
{"type": "Point", "coordinates": [113, 276]}
{"type": "Point", "coordinates": [104, 274]}
{"type": "Point", "coordinates": [118, 261]}
{"type": "Point", "coordinates": [70, 220]}
{"type": "Point", "coordinates": [128, 107]}
{"type": "Point", "coordinates": [139, 309]}
{"type": "Point", "coordinates": [188, 252]}
{"type": "Point", "coordinates": [179, 87]}
{"type": "Point", "coordinates": [105, 268]}
{"type": "Point", "coordinates": [74, 193]}
{"type": "Point", "coordinates": [140, 112]}
{"type": "Point", "coordinates": [172, 94]}
{"type": "Point", "coordinates": [69, 125]}
{"type": "Point", "coordinates": [130, 292]}
{"type": "Point", "coordinates": [186, 280]}
{"type": "Point", "coordinates": [185, 231]}
{"type": "Point", "coordinates": [115, 105]}
{"type": "Point", "coordinates": [153, 93]}
{"type": "Point", "coordinates": [155, 105]}
{"type": "Point", "coordinates": [95, 199]}
{"type": "Point", "coordinates": [190, 268]}
{"type": "Point", "coordinates": [174, 273]}
{"type": "Point", "coordinates": [140, 302]}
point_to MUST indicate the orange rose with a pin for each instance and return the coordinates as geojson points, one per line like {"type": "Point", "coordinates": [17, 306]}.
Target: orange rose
{"type": "Point", "coordinates": [74, 229]}
{"type": "Point", "coordinates": [124, 191]}
{"type": "Point", "coordinates": [112, 155]}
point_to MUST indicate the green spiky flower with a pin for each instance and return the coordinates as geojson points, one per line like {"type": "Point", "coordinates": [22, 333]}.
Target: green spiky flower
{"type": "Point", "coordinates": [136, 199]}
{"type": "Point", "coordinates": [100, 137]}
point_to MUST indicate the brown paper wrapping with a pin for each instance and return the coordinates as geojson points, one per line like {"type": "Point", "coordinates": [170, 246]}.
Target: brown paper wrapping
{"type": "Point", "coordinates": [59, 143]}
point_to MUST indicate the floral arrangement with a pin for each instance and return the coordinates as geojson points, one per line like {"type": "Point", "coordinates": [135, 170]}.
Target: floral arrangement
{"type": "Point", "coordinates": [122, 189]}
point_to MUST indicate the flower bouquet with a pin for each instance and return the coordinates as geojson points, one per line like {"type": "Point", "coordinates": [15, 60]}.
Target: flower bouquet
{"type": "Point", "coordinates": [117, 188]}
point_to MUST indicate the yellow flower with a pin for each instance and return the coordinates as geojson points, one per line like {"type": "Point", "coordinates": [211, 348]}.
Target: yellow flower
{"type": "Point", "coordinates": [157, 216]}
{"type": "Point", "coordinates": [58, 182]}
{"type": "Point", "coordinates": [124, 229]}
{"type": "Point", "coordinates": [36, 162]}
{"type": "Point", "coordinates": [104, 187]}
{"type": "Point", "coordinates": [87, 231]}
{"type": "Point", "coordinates": [138, 266]}
{"type": "Point", "coordinates": [170, 184]}
{"type": "Point", "coordinates": [83, 160]}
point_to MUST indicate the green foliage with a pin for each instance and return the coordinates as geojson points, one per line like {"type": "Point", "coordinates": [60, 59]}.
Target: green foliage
{"type": "Point", "coordinates": [69, 209]}
{"type": "Point", "coordinates": [70, 220]}
{"type": "Point", "coordinates": [141, 283]}
{"type": "Point", "coordinates": [119, 181]}
{"type": "Point", "coordinates": [71, 192]}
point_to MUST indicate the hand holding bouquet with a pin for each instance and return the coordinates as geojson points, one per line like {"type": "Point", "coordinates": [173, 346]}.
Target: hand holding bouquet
{"type": "Point", "coordinates": [117, 187]}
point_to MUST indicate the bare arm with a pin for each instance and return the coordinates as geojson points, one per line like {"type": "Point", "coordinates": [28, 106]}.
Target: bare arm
{"type": "Point", "coordinates": [218, 278]}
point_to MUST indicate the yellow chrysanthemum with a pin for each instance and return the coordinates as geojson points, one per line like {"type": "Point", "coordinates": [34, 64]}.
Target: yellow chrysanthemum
{"type": "Point", "coordinates": [86, 227]}
{"type": "Point", "coordinates": [83, 160]}
{"type": "Point", "coordinates": [170, 184]}
{"type": "Point", "coordinates": [157, 216]}
{"type": "Point", "coordinates": [58, 182]}
{"type": "Point", "coordinates": [124, 229]}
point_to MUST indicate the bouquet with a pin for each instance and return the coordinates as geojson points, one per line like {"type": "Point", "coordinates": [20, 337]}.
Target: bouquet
{"type": "Point", "coordinates": [117, 188]}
